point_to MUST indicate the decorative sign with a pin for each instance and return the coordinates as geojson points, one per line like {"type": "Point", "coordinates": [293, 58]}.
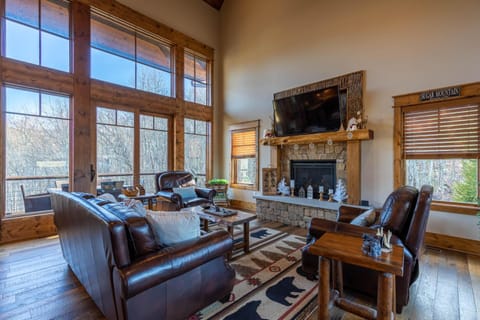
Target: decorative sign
{"type": "Point", "coordinates": [440, 94]}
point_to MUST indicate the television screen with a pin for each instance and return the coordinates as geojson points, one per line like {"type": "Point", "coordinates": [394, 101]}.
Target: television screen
{"type": "Point", "coordinates": [309, 112]}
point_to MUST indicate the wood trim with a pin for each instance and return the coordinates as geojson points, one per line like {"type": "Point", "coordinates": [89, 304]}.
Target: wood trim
{"type": "Point", "coordinates": [398, 161]}
{"type": "Point", "coordinates": [453, 207]}
{"type": "Point", "coordinates": [447, 242]}
{"type": "Point", "coordinates": [466, 90]}
{"type": "Point", "coordinates": [30, 75]}
{"type": "Point", "coordinates": [337, 136]}
{"type": "Point", "coordinates": [142, 21]}
{"type": "Point", "coordinates": [243, 205]}
{"type": "Point", "coordinates": [27, 227]}
{"type": "Point", "coordinates": [353, 172]}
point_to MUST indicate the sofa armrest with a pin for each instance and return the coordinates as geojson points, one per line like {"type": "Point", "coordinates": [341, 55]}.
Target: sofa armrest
{"type": "Point", "coordinates": [206, 193]}
{"type": "Point", "coordinates": [174, 197]}
{"type": "Point", "coordinates": [347, 213]}
{"type": "Point", "coordinates": [171, 262]}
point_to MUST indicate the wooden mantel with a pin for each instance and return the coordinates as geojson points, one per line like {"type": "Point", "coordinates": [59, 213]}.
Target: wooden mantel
{"type": "Point", "coordinates": [338, 136]}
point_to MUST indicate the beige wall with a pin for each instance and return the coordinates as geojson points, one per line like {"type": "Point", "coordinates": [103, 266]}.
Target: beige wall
{"type": "Point", "coordinates": [404, 46]}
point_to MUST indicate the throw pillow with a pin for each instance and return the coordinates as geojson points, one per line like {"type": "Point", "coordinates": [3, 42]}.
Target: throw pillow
{"type": "Point", "coordinates": [186, 193]}
{"type": "Point", "coordinates": [366, 219]}
{"type": "Point", "coordinates": [136, 205]}
{"type": "Point", "coordinates": [107, 196]}
{"type": "Point", "coordinates": [170, 227]}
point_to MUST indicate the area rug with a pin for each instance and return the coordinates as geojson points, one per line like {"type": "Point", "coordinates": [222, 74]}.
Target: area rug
{"type": "Point", "coordinates": [267, 285]}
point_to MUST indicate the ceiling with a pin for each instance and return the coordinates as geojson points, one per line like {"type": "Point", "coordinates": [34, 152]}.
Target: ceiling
{"type": "Point", "coordinates": [217, 4]}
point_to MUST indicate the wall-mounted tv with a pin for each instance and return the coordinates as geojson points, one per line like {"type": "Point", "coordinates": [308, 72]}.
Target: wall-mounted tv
{"type": "Point", "coordinates": [309, 112]}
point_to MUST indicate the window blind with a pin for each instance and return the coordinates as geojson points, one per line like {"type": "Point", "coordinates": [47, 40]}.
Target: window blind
{"type": "Point", "coordinates": [244, 143]}
{"type": "Point", "coordinates": [444, 132]}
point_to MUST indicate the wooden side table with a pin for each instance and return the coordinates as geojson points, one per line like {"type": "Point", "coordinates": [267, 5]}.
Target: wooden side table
{"type": "Point", "coordinates": [348, 249]}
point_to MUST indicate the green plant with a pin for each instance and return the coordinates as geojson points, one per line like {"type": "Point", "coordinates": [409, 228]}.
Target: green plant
{"type": "Point", "coordinates": [218, 181]}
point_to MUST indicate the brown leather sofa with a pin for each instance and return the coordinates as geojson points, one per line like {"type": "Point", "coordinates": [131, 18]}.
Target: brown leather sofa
{"type": "Point", "coordinates": [405, 213]}
{"type": "Point", "coordinates": [166, 181]}
{"type": "Point", "coordinates": [112, 251]}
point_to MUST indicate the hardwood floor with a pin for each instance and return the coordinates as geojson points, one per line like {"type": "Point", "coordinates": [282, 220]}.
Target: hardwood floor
{"type": "Point", "coordinates": [36, 283]}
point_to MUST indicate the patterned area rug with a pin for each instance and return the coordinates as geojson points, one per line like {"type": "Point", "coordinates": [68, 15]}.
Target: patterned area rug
{"type": "Point", "coordinates": [267, 285]}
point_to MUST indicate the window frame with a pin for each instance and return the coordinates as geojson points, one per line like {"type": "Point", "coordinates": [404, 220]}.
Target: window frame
{"type": "Point", "coordinates": [208, 147]}
{"type": "Point", "coordinates": [469, 95]}
{"type": "Point", "coordinates": [208, 78]}
{"type": "Point", "coordinates": [241, 127]}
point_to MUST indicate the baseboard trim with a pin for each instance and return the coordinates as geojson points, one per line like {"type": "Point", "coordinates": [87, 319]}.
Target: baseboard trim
{"type": "Point", "coordinates": [447, 242]}
{"type": "Point", "coordinates": [243, 205]}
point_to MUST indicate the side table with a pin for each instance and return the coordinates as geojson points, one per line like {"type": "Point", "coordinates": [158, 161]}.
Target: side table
{"type": "Point", "coordinates": [348, 249]}
{"type": "Point", "coordinates": [144, 197]}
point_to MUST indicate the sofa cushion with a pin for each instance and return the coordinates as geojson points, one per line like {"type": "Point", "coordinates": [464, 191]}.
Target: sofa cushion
{"type": "Point", "coordinates": [365, 219]}
{"type": "Point", "coordinates": [140, 236]}
{"type": "Point", "coordinates": [171, 227]}
{"type": "Point", "coordinates": [186, 193]}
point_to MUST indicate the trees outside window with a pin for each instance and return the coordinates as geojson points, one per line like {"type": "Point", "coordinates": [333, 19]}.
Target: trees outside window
{"type": "Point", "coordinates": [36, 143]}
{"type": "Point", "coordinates": [197, 87]}
{"type": "Point", "coordinates": [196, 149]}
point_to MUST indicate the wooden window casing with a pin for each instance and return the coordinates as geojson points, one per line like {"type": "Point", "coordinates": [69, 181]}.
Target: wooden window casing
{"type": "Point", "coordinates": [439, 129]}
{"type": "Point", "coordinates": [244, 145]}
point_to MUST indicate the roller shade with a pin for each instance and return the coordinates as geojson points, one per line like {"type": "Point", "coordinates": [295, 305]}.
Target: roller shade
{"type": "Point", "coordinates": [244, 143]}
{"type": "Point", "coordinates": [444, 132]}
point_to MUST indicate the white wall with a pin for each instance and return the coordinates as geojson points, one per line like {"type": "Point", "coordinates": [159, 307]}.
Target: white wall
{"type": "Point", "coordinates": [404, 46]}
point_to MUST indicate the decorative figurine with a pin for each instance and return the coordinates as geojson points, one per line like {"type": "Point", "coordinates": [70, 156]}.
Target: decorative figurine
{"type": "Point", "coordinates": [340, 192]}
{"type": "Point", "coordinates": [352, 124]}
{"type": "Point", "coordinates": [309, 192]}
{"type": "Point", "coordinates": [283, 189]}
{"type": "Point", "coordinates": [371, 245]}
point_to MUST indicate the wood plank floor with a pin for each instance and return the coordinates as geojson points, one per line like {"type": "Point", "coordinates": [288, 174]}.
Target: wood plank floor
{"type": "Point", "coordinates": [36, 283]}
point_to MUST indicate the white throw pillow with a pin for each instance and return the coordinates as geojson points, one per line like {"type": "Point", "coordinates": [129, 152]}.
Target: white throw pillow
{"type": "Point", "coordinates": [186, 193]}
{"type": "Point", "coordinates": [136, 205]}
{"type": "Point", "coordinates": [107, 196]}
{"type": "Point", "coordinates": [170, 227]}
{"type": "Point", "coordinates": [366, 219]}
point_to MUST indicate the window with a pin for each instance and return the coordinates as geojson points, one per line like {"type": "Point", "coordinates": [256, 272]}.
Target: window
{"type": "Point", "coordinates": [38, 32]}
{"type": "Point", "coordinates": [115, 139]}
{"type": "Point", "coordinates": [36, 146]}
{"type": "Point", "coordinates": [153, 149]}
{"type": "Point", "coordinates": [197, 79]}
{"type": "Point", "coordinates": [244, 155]}
{"type": "Point", "coordinates": [196, 147]}
{"type": "Point", "coordinates": [129, 57]}
{"type": "Point", "coordinates": [440, 146]}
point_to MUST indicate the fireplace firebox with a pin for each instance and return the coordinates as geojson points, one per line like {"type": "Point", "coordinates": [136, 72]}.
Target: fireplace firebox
{"type": "Point", "coordinates": [315, 173]}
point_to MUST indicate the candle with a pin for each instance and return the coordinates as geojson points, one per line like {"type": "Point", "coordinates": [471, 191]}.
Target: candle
{"type": "Point", "coordinates": [292, 183]}
{"type": "Point", "coordinates": [320, 189]}
{"type": "Point", "coordinates": [330, 191]}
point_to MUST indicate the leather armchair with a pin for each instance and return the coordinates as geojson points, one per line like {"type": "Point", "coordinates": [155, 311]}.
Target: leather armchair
{"type": "Point", "coordinates": [166, 181]}
{"type": "Point", "coordinates": [405, 213]}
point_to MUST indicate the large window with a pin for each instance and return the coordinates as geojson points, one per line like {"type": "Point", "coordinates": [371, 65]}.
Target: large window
{"type": "Point", "coordinates": [244, 155]}
{"type": "Point", "coordinates": [126, 56]}
{"type": "Point", "coordinates": [153, 149]}
{"type": "Point", "coordinates": [115, 140]}
{"type": "Point", "coordinates": [36, 147]}
{"type": "Point", "coordinates": [196, 149]}
{"type": "Point", "coordinates": [38, 32]}
{"type": "Point", "coordinates": [197, 79]}
{"type": "Point", "coordinates": [440, 147]}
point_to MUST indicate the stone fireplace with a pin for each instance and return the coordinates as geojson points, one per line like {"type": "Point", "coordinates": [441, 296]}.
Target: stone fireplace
{"type": "Point", "coordinates": [318, 159]}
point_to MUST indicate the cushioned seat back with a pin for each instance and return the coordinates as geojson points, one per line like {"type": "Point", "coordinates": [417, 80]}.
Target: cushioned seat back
{"type": "Point", "coordinates": [141, 240]}
{"type": "Point", "coordinates": [418, 224]}
{"type": "Point", "coordinates": [173, 179]}
{"type": "Point", "coordinates": [397, 210]}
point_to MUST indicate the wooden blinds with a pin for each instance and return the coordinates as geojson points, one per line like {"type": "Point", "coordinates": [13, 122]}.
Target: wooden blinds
{"type": "Point", "coordinates": [443, 132]}
{"type": "Point", "coordinates": [244, 143]}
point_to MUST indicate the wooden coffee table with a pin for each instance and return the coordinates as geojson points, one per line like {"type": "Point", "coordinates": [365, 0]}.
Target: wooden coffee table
{"type": "Point", "coordinates": [230, 222]}
{"type": "Point", "coordinates": [348, 249]}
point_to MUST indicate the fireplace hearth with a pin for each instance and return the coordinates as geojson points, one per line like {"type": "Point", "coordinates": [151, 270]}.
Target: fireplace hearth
{"type": "Point", "coordinates": [315, 173]}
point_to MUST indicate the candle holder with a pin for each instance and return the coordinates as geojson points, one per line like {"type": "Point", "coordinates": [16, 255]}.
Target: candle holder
{"type": "Point", "coordinates": [330, 197]}
{"type": "Point", "coordinates": [320, 196]}
{"type": "Point", "coordinates": [292, 190]}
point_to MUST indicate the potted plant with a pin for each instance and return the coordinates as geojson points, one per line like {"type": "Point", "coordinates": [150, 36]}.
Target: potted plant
{"type": "Point", "coordinates": [221, 187]}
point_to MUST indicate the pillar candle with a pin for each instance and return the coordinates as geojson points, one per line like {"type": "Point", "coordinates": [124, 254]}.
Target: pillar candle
{"type": "Point", "coordinates": [320, 189]}
{"type": "Point", "coordinates": [292, 183]}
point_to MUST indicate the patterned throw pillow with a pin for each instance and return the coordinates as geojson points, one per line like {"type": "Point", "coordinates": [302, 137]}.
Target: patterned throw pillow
{"type": "Point", "coordinates": [186, 193]}
{"type": "Point", "coordinates": [170, 227]}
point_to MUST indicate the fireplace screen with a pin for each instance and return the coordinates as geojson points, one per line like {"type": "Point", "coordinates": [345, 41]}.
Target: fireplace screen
{"type": "Point", "coordinates": [317, 173]}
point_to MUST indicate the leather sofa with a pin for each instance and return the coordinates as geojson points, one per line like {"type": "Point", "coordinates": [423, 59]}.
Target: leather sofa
{"type": "Point", "coordinates": [166, 181]}
{"type": "Point", "coordinates": [405, 212]}
{"type": "Point", "coordinates": [112, 251]}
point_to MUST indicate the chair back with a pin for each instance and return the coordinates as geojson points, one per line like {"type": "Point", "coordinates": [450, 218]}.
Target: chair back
{"type": "Point", "coordinates": [418, 225]}
{"type": "Point", "coordinates": [166, 181]}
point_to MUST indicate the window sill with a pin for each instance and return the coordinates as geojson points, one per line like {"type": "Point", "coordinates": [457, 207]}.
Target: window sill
{"type": "Point", "coordinates": [244, 187]}
{"type": "Point", "coordinates": [455, 208]}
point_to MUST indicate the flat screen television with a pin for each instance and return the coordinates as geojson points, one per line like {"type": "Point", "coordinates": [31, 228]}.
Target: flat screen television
{"type": "Point", "coordinates": [309, 112]}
